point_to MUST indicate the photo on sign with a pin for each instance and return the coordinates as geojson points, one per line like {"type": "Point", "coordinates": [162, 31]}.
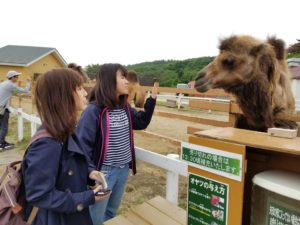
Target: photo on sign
{"type": "Point", "coordinates": [216, 200]}
{"type": "Point", "coordinates": [218, 214]}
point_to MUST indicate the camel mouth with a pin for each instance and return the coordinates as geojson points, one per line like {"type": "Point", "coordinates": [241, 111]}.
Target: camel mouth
{"type": "Point", "coordinates": [202, 83]}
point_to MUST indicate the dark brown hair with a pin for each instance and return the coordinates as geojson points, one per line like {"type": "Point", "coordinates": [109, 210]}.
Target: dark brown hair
{"type": "Point", "coordinates": [80, 70]}
{"type": "Point", "coordinates": [105, 90]}
{"type": "Point", "coordinates": [55, 103]}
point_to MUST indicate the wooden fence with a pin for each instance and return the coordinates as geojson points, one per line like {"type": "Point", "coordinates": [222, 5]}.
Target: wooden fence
{"type": "Point", "coordinates": [212, 100]}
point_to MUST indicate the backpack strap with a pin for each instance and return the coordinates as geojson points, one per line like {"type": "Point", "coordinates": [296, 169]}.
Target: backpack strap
{"type": "Point", "coordinates": [39, 134]}
{"type": "Point", "coordinates": [32, 215]}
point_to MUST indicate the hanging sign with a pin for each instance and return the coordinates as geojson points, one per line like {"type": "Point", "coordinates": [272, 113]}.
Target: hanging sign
{"type": "Point", "coordinates": [207, 201]}
{"type": "Point", "coordinates": [216, 161]}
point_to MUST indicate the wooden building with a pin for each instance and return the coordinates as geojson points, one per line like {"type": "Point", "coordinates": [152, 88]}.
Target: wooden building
{"type": "Point", "coordinates": [28, 60]}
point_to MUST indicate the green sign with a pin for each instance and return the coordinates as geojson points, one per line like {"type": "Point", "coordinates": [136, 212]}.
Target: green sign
{"type": "Point", "coordinates": [213, 160]}
{"type": "Point", "coordinates": [207, 201]}
{"type": "Point", "coordinates": [281, 214]}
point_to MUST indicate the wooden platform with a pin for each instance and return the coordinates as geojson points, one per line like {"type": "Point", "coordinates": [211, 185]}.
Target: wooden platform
{"type": "Point", "coordinates": [157, 211]}
{"type": "Point", "coordinates": [253, 139]}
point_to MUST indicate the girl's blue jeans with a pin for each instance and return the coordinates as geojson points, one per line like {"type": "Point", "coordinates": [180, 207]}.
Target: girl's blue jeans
{"type": "Point", "coordinates": [116, 178]}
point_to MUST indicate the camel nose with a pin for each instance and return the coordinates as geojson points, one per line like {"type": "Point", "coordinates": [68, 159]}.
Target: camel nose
{"type": "Point", "coordinates": [202, 83]}
{"type": "Point", "coordinates": [200, 75]}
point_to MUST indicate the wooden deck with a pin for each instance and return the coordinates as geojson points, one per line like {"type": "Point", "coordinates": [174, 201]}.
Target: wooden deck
{"type": "Point", "coordinates": [157, 211]}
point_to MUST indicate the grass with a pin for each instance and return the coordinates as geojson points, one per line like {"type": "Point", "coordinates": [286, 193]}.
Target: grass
{"type": "Point", "coordinates": [12, 134]}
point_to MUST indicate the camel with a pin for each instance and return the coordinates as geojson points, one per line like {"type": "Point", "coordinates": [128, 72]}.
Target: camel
{"type": "Point", "coordinates": [256, 73]}
{"type": "Point", "coordinates": [134, 92]}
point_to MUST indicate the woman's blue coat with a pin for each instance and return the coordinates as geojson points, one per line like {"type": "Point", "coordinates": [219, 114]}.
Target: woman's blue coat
{"type": "Point", "coordinates": [55, 178]}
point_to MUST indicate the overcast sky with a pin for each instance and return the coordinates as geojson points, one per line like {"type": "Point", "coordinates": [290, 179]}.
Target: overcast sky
{"type": "Point", "coordinates": [134, 31]}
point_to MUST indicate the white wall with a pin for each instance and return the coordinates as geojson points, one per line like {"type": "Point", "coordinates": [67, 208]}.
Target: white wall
{"type": "Point", "coordinates": [296, 92]}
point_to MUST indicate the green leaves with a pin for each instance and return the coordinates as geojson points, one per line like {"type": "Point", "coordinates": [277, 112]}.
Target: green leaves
{"type": "Point", "coordinates": [168, 72]}
{"type": "Point", "coordinates": [171, 72]}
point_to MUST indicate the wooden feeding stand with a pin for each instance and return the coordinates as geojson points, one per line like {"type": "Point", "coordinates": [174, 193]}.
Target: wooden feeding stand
{"type": "Point", "coordinates": [222, 163]}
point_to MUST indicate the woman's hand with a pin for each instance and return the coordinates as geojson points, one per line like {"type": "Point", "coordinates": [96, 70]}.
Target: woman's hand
{"type": "Point", "coordinates": [99, 178]}
{"type": "Point", "coordinates": [100, 197]}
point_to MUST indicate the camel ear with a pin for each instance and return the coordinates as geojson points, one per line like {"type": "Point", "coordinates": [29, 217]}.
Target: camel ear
{"type": "Point", "coordinates": [265, 61]}
{"type": "Point", "coordinates": [278, 47]}
{"type": "Point", "coordinates": [267, 65]}
{"type": "Point", "coordinates": [258, 49]}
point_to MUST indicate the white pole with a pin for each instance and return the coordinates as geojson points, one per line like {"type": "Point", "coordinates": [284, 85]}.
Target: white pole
{"type": "Point", "coordinates": [172, 183]}
{"type": "Point", "coordinates": [33, 124]}
{"type": "Point", "coordinates": [20, 124]}
{"type": "Point", "coordinates": [179, 100]}
{"type": "Point", "coordinates": [209, 111]}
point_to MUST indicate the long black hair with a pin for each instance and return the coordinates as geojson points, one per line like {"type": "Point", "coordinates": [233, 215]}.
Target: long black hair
{"type": "Point", "coordinates": [105, 90]}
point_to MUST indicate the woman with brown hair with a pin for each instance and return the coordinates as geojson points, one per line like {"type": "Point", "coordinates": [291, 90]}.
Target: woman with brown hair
{"type": "Point", "coordinates": [55, 168]}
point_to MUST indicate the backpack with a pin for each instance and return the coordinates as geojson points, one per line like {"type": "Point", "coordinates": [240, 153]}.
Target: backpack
{"type": "Point", "coordinates": [12, 194]}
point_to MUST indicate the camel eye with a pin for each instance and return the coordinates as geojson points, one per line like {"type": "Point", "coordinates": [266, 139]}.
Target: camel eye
{"type": "Point", "coordinates": [228, 63]}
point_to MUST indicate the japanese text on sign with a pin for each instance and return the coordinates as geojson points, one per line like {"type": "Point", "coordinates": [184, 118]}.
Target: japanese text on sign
{"type": "Point", "coordinates": [221, 162]}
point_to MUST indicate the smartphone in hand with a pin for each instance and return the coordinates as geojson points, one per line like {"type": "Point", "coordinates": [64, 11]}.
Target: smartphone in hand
{"type": "Point", "coordinates": [103, 192]}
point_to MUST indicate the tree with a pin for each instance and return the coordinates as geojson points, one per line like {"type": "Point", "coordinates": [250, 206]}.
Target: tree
{"type": "Point", "coordinates": [294, 50]}
{"type": "Point", "coordinates": [91, 70]}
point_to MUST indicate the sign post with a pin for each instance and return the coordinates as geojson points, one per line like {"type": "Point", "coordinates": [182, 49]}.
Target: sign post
{"type": "Point", "coordinates": [216, 181]}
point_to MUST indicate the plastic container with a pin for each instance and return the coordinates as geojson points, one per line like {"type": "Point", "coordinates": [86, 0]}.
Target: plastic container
{"type": "Point", "coordinates": [275, 198]}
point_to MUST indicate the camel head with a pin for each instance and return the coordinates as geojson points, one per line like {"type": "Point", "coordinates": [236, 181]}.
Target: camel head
{"type": "Point", "coordinates": [241, 60]}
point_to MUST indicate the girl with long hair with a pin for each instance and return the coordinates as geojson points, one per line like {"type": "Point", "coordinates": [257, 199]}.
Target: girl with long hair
{"type": "Point", "coordinates": [105, 131]}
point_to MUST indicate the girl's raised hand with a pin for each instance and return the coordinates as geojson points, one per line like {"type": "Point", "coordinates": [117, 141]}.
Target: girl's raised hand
{"type": "Point", "coordinates": [154, 90]}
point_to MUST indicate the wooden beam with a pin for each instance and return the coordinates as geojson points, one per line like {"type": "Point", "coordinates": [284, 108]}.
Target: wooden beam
{"type": "Point", "coordinates": [153, 216]}
{"type": "Point", "coordinates": [119, 220]}
{"type": "Point", "coordinates": [235, 108]}
{"type": "Point", "coordinates": [190, 91]}
{"type": "Point", "coordinates": [135, 219]}
{"type": "Point", "coordinates": [151, 134]}
{"type": "Point", "coordinates": [288, 116]}
{"type": "Point", "coordinates": [192, 130]}
{"type": "Point", "coordinates": [169, 209]}
{"type": "Point", "coordinates": [194, 119]}
{"type": "Point", "coordinates": [204, 104]}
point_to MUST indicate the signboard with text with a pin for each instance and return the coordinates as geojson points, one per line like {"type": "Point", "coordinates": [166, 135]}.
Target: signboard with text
{"type": "Point", "coordinates": [279, 213]}
{"type": "Point", "coordinates": [219, 162]}
{"type": "Point", "coordinates": [207, 201]}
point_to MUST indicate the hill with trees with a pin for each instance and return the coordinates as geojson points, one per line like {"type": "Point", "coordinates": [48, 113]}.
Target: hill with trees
{"type": "Point", "coordinates": [168, 72]}
{"type": "Point", "coordinates": [171, 72]}
{"type": "Point", "coordinates": [294, 50]}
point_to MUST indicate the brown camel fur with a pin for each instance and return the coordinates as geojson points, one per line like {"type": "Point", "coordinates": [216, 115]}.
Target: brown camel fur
{"type": "Point", "coordinates": [256, 73]}
{"type": "Point", "coordinates": [134, 92]}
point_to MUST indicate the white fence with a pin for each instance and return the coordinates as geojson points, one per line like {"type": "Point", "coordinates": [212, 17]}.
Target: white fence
{"type": "Point", "coordinates": [171, 163]}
